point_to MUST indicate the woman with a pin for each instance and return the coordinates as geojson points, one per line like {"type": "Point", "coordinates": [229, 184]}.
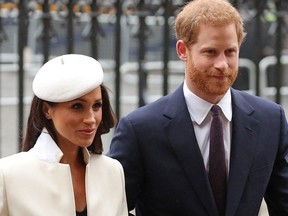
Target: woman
{"type": "Point", "coordinates": [61, 170]}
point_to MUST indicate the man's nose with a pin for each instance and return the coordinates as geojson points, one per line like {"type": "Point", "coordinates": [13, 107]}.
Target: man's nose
{"type": "Point", "coordinates": [221, 62]}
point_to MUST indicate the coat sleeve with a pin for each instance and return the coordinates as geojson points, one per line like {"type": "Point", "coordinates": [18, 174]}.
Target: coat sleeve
{"type": "Point", "coordinates": [125, 148]}
{"type": "Point", "coordinates": [123, 207]}
{"type": "Point", "coordinates": [276, 195]}
{"type": "Point", "coordinates": [3, 198]}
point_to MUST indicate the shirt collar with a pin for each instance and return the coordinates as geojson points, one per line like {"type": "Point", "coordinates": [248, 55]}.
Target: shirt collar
{"type": "Point", "coordinates": [46, 149]}
{"type": "Point", "coordinates": [199, 108]}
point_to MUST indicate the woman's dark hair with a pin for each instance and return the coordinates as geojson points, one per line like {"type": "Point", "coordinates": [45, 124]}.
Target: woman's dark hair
{"type": "Point", "coordinates": [37, 121]}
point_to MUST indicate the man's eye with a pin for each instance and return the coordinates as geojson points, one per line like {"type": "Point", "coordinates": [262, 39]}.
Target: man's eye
{"type": "Point", "coordinates": [231, 51]}
{"type": "Point", "coordinates": [210, 52]}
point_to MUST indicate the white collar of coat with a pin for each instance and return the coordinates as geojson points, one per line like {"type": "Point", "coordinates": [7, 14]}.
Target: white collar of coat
{"type": "Point", "coordinates": [46, 149]}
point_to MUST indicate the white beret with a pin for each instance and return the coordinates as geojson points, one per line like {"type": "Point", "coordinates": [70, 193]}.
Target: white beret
{"type": "Point", "coordinates": [67, 77]}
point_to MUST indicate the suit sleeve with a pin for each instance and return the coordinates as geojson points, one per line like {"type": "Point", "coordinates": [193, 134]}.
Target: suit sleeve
{"type": "Point", "coordinates": [276, 195]}
{"type": "Point", "coordinates": [125, 148]}
{"type": "Point", "coordinates": [3, 198]}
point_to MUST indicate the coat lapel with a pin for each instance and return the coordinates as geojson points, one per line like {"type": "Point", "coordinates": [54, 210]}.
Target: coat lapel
{"type": "Point", "coordinates": [243, 148]}
{"type": "Point", "coordinates": [183, 141]}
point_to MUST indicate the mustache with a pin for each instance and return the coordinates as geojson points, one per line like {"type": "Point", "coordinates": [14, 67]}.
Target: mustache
{"type": "Point", "coordinates": [226, 72]}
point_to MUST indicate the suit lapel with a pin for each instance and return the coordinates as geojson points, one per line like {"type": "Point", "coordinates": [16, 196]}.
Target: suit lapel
{"type": "Point", "coordinates": [182, 139]}
{"type": "Point", "coordinates": [243, 148]}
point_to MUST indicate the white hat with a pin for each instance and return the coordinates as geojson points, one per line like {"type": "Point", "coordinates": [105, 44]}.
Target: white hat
{"type": "Point", "coordinates": [67, 77]}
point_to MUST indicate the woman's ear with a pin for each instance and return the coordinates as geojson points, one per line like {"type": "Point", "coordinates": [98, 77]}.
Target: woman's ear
{"type": "Point", "coordinates": [46, 109]}
{"type": "Point", "coordinates": [181, 50]}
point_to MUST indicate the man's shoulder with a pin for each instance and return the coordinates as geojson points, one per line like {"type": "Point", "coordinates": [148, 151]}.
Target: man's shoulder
{"type": "Point", "coordinates": [253, 100]}
{"type": "Point", "coordinates": [159, 105]}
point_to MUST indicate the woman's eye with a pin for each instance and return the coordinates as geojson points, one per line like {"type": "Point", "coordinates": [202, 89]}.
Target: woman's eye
{"type": "Point", "coordinates": [97, 105]}
{"type": "Point", "coordinates": [77, 106]}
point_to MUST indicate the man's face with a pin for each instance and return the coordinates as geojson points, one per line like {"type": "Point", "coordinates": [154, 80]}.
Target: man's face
{"type": "Point", "coordinates": [212, 62]}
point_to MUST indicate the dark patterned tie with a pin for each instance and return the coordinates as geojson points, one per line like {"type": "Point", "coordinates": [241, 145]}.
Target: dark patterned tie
{"type": "Point", "coordinates": [217, 166]}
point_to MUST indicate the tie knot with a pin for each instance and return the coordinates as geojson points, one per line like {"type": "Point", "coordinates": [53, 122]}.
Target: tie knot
{"type": "Point", "coordinates": [216, 110]}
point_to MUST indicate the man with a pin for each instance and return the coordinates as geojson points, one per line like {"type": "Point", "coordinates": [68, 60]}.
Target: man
{"type": "Point", "coordinates": [164, 147]}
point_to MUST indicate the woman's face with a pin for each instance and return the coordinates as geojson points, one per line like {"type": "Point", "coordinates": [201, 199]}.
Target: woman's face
{"type": "Point", "coordinates": [76, 121]}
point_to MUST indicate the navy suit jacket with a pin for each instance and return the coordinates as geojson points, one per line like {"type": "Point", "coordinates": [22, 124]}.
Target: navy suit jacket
{"type": "Point", "coordinates": [164, 169]}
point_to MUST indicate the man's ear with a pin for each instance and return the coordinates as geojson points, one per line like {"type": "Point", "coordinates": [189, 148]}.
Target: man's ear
{"type": "Point", "coordinates": [181, 50]}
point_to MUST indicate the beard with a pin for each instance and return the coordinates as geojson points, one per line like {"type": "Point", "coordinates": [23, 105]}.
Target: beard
{"type": "Point", "coordinates": [204, 81]}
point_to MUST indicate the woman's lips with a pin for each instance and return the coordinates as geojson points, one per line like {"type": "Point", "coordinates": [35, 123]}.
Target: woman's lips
{"type": "Point", "coordinates": [88, 131]}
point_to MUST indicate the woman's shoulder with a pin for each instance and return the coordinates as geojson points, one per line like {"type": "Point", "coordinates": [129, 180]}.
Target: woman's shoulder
{"type": "Point", "coordinates": [103, 161]}
{"type": "Point", "coordinates": [16, 160]}
{"type": "Point", "coordinates": [106, 169]}
{"type": "Point", "coordinates": [13, 158]}
{"type": "Point", "coordinates": [100, 158]}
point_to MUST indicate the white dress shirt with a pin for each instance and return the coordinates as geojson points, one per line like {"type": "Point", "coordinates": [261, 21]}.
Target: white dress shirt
{"type": "Point", "coordinates": [201, 117]}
